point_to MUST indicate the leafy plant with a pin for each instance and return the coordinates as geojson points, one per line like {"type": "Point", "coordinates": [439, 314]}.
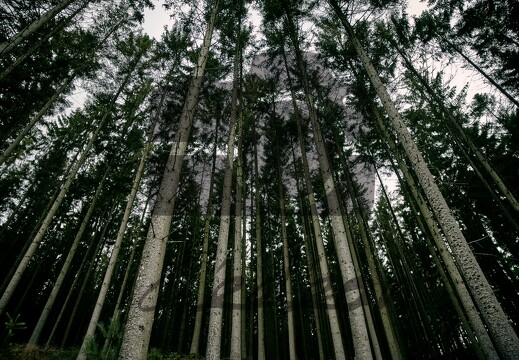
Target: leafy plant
{"type": "Point", "coordinates": [112, 335]}
{"type": "Point", "coordinates": [13, 324]}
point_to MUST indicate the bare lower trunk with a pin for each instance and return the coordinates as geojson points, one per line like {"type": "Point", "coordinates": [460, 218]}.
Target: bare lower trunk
{"type": "Point", "coordinates": [358, 325]}
{"type": "Point", "coordinates": [144, 300]}
{"type": "Point", "coordinates": [237, 293]}
{"type": "Point", "coordinates": [331, 309]}
{"type": "Point", "coordinates": [469, 307]}
{"type": "Point", "coordinates": [33, 341]}
{"type": "Point", "coordinates": [259, 257]}
{"type": "Point", "coordinates": [500, 328]}
{"type": "Point", "coordinates": [57, 202]}
{"type": "Point", "coordinates": [218, 293]}
{"type": "Point", "coordinates": [195, 342]}
{"type": "Point", "coordinates": [115, 254]}
{"type": "Point", "coordinates": [286, 264]}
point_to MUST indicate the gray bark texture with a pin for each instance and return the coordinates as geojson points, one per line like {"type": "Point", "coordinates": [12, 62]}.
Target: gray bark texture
{"type": "Point", "coordinates": [33, 341]}
{"type": "Point", "coordinates": [115, 254]}
{"type": "Point", "coordinates": [144, 299]}
{"type": "Point", "coordinates": [331, 309]}
{"type": "Point", "coordinates": [218, 293]}
{"type": "Point", "coordinates": [35, 25]}
{"type": "Point", "coordinates": [500, 328]}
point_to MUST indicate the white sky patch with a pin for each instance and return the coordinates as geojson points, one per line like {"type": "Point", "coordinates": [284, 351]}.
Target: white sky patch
{"type": "Point", "coordinates": [416, 7]}
{"type": "Point", "coordinates": [155, 20]}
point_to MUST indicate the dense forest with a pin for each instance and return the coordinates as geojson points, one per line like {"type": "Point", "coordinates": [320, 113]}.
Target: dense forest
{"type": "Point", "coordinates": [269, 180]}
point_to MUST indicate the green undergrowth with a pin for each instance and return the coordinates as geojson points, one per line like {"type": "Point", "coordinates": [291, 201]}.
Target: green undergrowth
{"type": "Point", "coordinates": [18, 352]}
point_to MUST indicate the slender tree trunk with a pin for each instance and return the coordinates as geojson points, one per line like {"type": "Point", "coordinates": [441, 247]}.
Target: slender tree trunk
{"type": "Point", "coordinates": [238, 298]}
{"type": "Point", "coordinates": [57, 202]}
{"type": "Point", "coordinates": [33, 341]}
{"type": "Point", "coordinates": [35, 119]}
{"type": "Point", "coordinates": [128, 267]}
{"type": "Point", "coordinates": [55, 30]}
{"type": "Point", "coordinates": [240, 185]}
{"type": "Point", "coordinates": [391, 337]}
{"type": "Point", "coordinates": [141, 314]}
{"type": "Point", "coordinates": [286, 261]}
{"type": "Point", "coordinates": [480, 70]}
{"type": "Point", "coordinates": [458, 131]}
{"type": "Point", "coordinates": [218, 293]}
{"type": "Point", "coordinates": [7, 46]}
{"type": "Point", "coordinates": [502, 332]}
{"type": "Point", "coordinates": [331, 309]}
{"type": "Point", "coordinates": [259, 257]}
{"type": "Point", "coordinates": [355, 310]}
{"type": "Point", "coordinates": [92, 265]}
{"type": "Point", "coordinates": [461, 289]}
{"type": "Point", "coordinates": [36, 227]}
{"type": "Point", "coordinates": [61, 89]}
{"type": "Point", "coordinates": [237, 122]}
{"type": "Point", "coordinates": [447, 281]}
{"type": "Point", "coordinates": [195, 342]}
{"type": "Point", "coordinates": [312, 271]}
{"type": "Point", "coordinates": [115, 253]}
{"type": "Point", "coordinates": [76, 278]}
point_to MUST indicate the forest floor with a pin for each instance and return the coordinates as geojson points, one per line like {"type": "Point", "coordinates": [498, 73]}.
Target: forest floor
{"type": "Point", "coordinates": [18, 353]}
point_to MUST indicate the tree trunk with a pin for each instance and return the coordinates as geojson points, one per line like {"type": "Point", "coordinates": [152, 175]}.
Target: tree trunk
{"type": "Point", "coordinates": [387, 324]}
{"type": "Point", "coordinates": [502, 332]}
{"type": "Point", "coordinates": [55, 30]}
{"type": "Point", "coordinates": [74, 282]}
{"type": "Point", "coordinates": [259, 256]}
{"type": "Point", "coordinates": [35, 119]}
{"type": "Point", "coordinates": [480, 70]}
{"type": "Point", "coordinates": [66, 83]}
{"type": "Point", "coordinates": [477, 325]}
{"type": "Point", "coordinates": [218, 293]}
{"type": "Point", "coordinates": [7, 46]}
{"type": "Point", "coordinates": [331, 309]}
{"type": "Point", "coordinates": [140, 317]}
{"type": "Point", "coordinates": [57, 202]}
{"type": "Point", "coordinates": [33, 341]}
{"type": "Point", "coordinates": [458, 131]}
{"type": "Point", "coordinates": [115, 253]}
{"type": "Point", "coordinates": [356, 313]}
{"type": "Point", "coordinates": [238, 298]}
{"type": "Point", "coordinates": [195, 342]}
{"type": "Point", "coordinates": [286, 261]}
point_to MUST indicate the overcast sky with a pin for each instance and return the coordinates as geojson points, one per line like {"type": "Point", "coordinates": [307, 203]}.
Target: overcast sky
{"type": "Point", "coordinates": [154, 20]}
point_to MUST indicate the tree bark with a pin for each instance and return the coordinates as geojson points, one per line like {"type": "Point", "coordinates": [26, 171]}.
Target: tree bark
{"type": "Point", "coordinates": [502, 332]}
{"type": "Point", "coordinates": [331, 309]}
{"type": "Point", "coordinates": [218, 292]}
{"type": "Point", "coordinates": [144, 300]}
{"type": "Point", "coordinates": [7, 46]}
{"type": "Point", "coordinates": [238, 298]}
{"type": "Point", "coordinates": [286, 261]}
{"type": "Point", "coordinates": [33, 341]}
{"type": "Point", "coordinates": [458, 131]}
{"type": "Point", "coordinates": [115, 253]}
{"type": "Point", "coordinates": [356, 313]}
{"type": "Point", "coordinates": [57, 202]}
{"type": "Point", "coordinates": [469, 307]}
{"type": "Point", "coordinates": [195, 342]}
{"type": "Point", "coordinates": [259, 256]}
